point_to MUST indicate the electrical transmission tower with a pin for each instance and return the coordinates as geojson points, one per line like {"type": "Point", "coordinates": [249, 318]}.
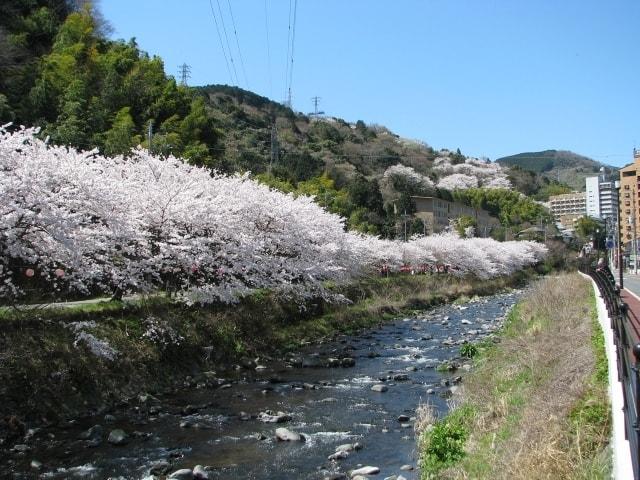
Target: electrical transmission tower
{"type": "Point", "coordinates": [316, 112]}
{"type": "Point", "coordinates": [184, 72]}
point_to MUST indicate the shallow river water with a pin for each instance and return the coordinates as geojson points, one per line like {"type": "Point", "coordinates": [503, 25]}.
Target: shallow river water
{"type": "Point", "coordinates": [220, 428]}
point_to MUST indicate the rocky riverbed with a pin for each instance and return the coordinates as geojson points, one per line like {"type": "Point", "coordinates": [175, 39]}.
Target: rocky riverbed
{"type": "Point", "coordinates": [343, 409]}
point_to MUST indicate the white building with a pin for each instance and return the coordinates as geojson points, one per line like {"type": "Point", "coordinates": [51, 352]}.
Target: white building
{"type": "Point", "coordinates": [601, 197]}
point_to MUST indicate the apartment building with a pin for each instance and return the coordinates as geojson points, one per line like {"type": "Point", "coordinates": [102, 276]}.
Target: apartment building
{"type": "Point", "coordinates": [437, 214]}
{"type": "Point", "coordinates": [629, 199]}
{"type": "Point", "coordinates": [573, 204]}
{"type": "Point", "coordinates": [601, 197]}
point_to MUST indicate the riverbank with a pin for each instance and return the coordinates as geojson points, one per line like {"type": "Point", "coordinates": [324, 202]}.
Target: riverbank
{"type": "Point", "coordinates": [59, 364]}
{"type": "Point", "coordinates": [535, 405]}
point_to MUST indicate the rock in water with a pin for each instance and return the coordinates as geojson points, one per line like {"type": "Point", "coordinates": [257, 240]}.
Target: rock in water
{"type": "Point", "coordinates": [286, 435]}
{"type": "Point", "coordinates": [118, 437]}
{"type": "Point", "coordinates": [182, 474]}
{"type": "Point", "coordinates": [379, 388]}
{"type": "Point", "coordinates": [199, 473]}
{"type": "Point", "coordinates": [365, 471]}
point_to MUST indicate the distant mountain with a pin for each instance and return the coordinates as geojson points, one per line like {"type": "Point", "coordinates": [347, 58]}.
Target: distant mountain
{"type": "Point", "coordinates": [559, 165]}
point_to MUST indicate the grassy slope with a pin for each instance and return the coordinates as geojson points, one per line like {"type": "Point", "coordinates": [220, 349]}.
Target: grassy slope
{"type": "Point", "coordinates": [536, 405]}
{"type": "Point", "coordinates": [43, 374]}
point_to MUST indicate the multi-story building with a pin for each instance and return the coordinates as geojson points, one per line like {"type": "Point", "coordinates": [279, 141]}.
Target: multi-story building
{"type": "Point", "coordinates": [601, 197]}
{"type": "Point", "coordinates": [568, 204]}
{"type": "Point", "coordinates": [629, 199]}
{"type": "Point", "coordinates": [437, 214]}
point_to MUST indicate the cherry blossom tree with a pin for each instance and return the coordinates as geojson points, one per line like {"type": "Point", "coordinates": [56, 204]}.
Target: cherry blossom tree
{"type": "Point", "coordinates": [76, 221]}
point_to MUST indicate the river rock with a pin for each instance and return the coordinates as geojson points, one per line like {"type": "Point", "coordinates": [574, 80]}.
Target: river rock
{"type": "Point", "coordinates": [379, 388]}
{"type": "Point", "coordinates": [182, 474]}
{"type": "Point", "coordinates": [403, 418]}
{"type": "Point", "coordinates": [160, 468]}
{"type": "Point", "coordinates": [200, 473]}
{"type": "Point", "coordinates": [91, 434]}
{"type": "Point", "coordinates": [118, 437]}
{"type": "Point", "coordinates": [365, 471]}
{"type": "Point", "coordinates": [271, 417]}
{"type": "Point", "coordinates": [348, 447]}
{"type": "Point", "coordinates": [340, 455]}
{"type": "Point", "coordinates": [464, 321]}
{"type": "Point", "coordinates": [36, 464]}
{"type": "Point", "coordinates": [348, 362]}
{"type": "Point", "coordinates": [286, 435]}
{"type": "Point", "coordinates": [406, 468]}
{"type": "Point", "coordinates": [401, 377]}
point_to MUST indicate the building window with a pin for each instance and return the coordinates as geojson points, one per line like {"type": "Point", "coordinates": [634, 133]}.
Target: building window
{"type": "Point", "coordinates": [626, 187]}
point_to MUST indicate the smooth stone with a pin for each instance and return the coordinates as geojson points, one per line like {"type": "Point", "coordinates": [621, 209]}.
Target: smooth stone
{"type": "Point", "coordinates": [36, 464]}
{"type": "Point", "coordinates": [182, 474]}
{"type": "Point", "coordinates": [403, 418]}
{"type": "Point", "coordinates": [365, 471]}
{"type": "Point", "coordinates": [401, 377]}
{"type": "Point", "coordinates": [118, 437]}
{"type": "Point", "coordinates": [464, 321]}
{"type": "Point", "coordinates": [286, 435]}
{"type": "Point", "coordinates": [339, 455]}
{"type": "Point", "coordinates": [200, 473]}
{"type": "Point", "coordinates": [406, 468]}
{"type": "Point", "coordinates": [348, 447]}
{"type": "Point", "coordinates": [21, 448]}
{"type": "Point", "coordinates": [379, 388]}
{"type": "Point", "coordinates": [94, 432]}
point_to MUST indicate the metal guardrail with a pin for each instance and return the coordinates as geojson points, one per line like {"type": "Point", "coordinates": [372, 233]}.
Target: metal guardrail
{"type": "Point", "coordinates": [627, 342]}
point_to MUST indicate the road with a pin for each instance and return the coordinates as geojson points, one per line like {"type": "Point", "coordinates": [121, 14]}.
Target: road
{"type": "Point", "coordinates": [630, 281]}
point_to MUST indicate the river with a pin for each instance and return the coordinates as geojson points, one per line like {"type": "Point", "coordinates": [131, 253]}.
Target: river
{"type": "Point", "coordinates": [221, 429]}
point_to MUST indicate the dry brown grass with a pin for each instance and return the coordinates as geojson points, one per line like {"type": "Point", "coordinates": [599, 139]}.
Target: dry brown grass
{"type": "Point", "coordinates": [537, 375]}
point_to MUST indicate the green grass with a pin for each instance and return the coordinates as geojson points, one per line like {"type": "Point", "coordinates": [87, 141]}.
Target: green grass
{"type": "Point", "coordinates": [511, 402]}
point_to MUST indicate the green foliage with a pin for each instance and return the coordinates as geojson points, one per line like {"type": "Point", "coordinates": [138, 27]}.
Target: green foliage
{"type": "Point", "coordinates": [443, 445]}
{"type": "Point", "coordinates": [509, 206]}
{"type": "Point", "coordinates": [464, 222]}
{"type": "Point", "coordinates": [468, 350]}
{"type": "Point", "coordinates": [588, 228]}
{"type": "Point", "coordinates": [120, 138]}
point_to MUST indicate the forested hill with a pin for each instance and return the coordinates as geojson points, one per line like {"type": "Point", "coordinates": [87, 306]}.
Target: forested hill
{"type": "Point", "coordinates": [60, 71]}
{"type": "Point", "coordinates": [560, 165]}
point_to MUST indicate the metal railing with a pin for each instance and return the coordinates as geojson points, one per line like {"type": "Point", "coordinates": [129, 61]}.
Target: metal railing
{"type": "Point", "coordinates": [627, 341]}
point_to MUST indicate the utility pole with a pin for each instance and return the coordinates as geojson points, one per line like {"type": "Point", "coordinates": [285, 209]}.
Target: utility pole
{"type": "Point", "coordinates": [184, 72]}
{"type": "Point", "coordinates": [619, 235]}
{"type": "Point", "coordinates": [150, 134]}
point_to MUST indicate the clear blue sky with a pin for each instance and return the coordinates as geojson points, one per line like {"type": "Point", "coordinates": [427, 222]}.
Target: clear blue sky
{"type": "Point", "coordinates": [492, 77]}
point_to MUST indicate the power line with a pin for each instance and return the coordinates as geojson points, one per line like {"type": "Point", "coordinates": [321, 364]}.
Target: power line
{"type": "Point", "coordinates": [224, 29]}
{"type": "Point", "coordinates": [266, 27]}
{"type": "Point", "coordinates": [235, 32]}
{"type": "Point", "coordinates": [226, 61]}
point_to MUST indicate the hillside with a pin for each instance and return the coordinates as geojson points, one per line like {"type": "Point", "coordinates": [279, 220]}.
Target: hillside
{"type": "Point", "coordinates": [559, 165]}
{"type": "Point", "coordinates": [84, 90]}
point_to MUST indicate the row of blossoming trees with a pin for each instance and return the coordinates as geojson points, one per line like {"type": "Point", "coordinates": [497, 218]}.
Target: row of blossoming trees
{"type": "Point", "coordinates": [80, 222]}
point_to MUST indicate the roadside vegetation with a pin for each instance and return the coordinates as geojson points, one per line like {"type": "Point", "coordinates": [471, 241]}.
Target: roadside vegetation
{"type": "Point", "coordinates": [536, 404]}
